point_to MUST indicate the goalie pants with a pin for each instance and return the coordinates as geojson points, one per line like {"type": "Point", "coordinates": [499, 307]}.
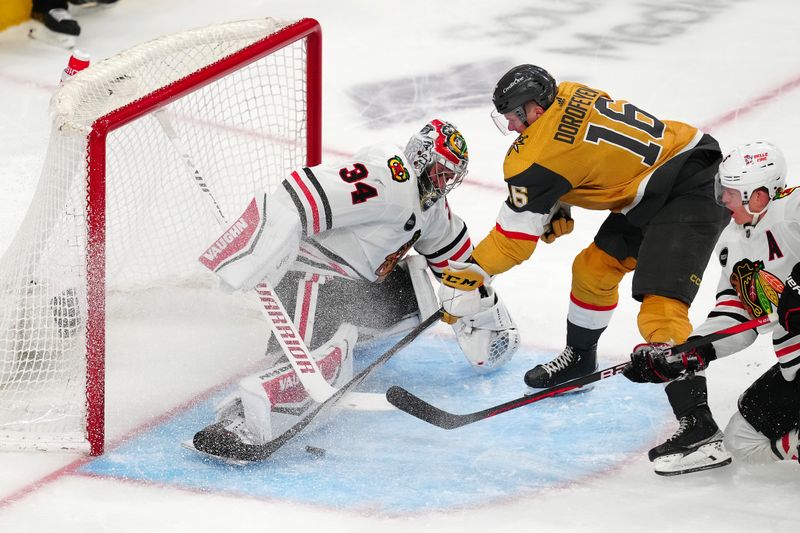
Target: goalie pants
{"type": "Point", "coordinates": [361, 303]}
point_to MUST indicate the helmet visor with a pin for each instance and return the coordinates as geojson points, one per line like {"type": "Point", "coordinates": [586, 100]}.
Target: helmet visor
{"type": "Point", "coordinates": [501, 122]}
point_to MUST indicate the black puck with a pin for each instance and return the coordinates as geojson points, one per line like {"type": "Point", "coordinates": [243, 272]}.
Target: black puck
{"type": "Point", "coordinates": [316, 452]}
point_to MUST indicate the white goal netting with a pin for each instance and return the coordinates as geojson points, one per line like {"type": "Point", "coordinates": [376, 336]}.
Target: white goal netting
{"type": "Point", "coordinates": [119, 209]}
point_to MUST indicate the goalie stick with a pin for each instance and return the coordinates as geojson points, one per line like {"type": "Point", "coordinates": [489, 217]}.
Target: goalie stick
{"type": "Point", "coordinates": [419, 408]}
{"type": "Point", "coordinates": [282, 326]}
{"type": "Point", "coordinates": [248, 453]}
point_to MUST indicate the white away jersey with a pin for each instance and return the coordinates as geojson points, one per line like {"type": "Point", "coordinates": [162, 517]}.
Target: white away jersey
{"type": "Point", "coordinates": [775, 242]}
{"type": "Point", "coordinates": [359, 218]}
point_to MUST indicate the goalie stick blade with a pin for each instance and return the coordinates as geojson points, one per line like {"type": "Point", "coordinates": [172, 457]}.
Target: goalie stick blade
{"type": "Point", "coordinates": [251, 453]}
{"type": "Point", "coordinates": [189, 445]}
{"type": "Point", "coordinates": [243, 454]}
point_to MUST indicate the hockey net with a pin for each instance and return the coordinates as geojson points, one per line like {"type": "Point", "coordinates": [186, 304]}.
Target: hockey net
{"type": "Point", "coordinates": [119, 210]}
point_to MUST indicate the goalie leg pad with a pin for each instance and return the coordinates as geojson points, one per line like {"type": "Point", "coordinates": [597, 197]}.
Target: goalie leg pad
{"type": "Point", "coordinates": [490, 337]}
{"type": "Point", "coordinates": [273, 400]}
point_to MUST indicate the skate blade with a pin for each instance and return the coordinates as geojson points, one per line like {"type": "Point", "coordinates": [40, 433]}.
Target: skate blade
{"type": "Point", "coordinates": [530, 391]}
{"type": "Point", "coordinates": [706, 457]}
{"type": "Point", "coordinates": [41, 33]}
{"type": "Point", "coordinates": [189, 445]}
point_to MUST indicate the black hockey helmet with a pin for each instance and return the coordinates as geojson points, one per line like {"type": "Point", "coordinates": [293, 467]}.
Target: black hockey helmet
{"type": "Point", "coordinates": [521, 84]}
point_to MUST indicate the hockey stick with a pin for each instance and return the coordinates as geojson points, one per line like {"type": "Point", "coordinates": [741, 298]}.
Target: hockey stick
{"type": "Point", "coordinates": [260, 452]}
{"type": "Point", "coordinates": [282, 326]}
{"type": "Point", "coordinates": [415, 406]}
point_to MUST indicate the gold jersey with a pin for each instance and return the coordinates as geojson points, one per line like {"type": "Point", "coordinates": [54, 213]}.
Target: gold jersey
{"type": "Point", "coordinates": [589, 151]}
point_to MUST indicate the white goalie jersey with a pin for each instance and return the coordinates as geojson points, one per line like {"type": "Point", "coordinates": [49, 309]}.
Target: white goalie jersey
{"type": "Point", "coordinates": [354, 220]}
{"type": "Point", "coordinates": [755, 262]}
{"type": "Point", "coordinates": [360, 218]}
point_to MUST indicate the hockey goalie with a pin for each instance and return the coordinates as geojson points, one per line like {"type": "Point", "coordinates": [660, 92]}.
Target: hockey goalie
{"type": "Point", "coordinates": [332, 240]}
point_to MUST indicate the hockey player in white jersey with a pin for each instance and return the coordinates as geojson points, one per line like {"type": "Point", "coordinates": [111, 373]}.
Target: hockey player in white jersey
{"type": "Point", "coordinates": [756, 252]}
{"type": "Point", "coordinates": [331, 240]}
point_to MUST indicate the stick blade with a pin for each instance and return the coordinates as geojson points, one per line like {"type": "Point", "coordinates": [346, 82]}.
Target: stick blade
{"type": "Point", "coordinates": [418, 408]}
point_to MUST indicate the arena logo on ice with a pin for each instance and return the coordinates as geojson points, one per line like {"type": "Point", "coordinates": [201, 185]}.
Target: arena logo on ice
{"type": "Point", "coordinates": [554, 26]}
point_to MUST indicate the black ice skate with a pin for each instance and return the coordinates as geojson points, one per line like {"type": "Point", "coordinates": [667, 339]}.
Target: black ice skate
{"type": "Point", "coordinates": [227, 440]}
{"type": "Point", "coordinates": [570, 364]}
{"type": "Point", "coordinates": [696, 445]}
{"type": "Point", "coordinates": [59, 28]}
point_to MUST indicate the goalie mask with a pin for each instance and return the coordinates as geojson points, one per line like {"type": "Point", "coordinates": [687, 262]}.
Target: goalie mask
{"type": "Point", "coordinates": [439, 156]}
{"type": "Point", "coordinates": [751, 167]}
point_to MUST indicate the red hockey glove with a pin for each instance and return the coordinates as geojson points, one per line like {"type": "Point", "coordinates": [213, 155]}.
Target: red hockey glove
{"type": "Point", "coordinates": [655, 363]}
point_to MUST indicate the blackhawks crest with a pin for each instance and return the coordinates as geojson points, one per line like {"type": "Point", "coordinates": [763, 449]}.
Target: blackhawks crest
{"type": "Point", "coordinates": [398, 169]}
{"type": "Point", "coordinates": [758, 289]}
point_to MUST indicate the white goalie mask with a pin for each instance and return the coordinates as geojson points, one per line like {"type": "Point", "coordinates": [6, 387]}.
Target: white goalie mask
{"type": "Point", "coordinates": [438, 153]}
{"type": "Point", "coordinates": [751, 167]}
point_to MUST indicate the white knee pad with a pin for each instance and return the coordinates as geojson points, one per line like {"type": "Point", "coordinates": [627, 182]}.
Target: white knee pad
{"type": "Point", "coordinates": [747, 444]}
{"type": "Point", "coordinates": [489, 338]}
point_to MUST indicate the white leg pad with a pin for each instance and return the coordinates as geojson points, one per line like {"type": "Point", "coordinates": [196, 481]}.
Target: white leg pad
{"type": "Point", "coordinates": [273, 400]}
{"type": "Point", "coordinates": [489, 338]}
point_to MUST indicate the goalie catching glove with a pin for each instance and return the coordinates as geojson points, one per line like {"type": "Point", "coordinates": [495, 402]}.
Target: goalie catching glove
{"type": "Point", "coordinates": [459, 292]}
{"type": "Point", "coordinates": [655, 363]}
{"type": "Point", "coordinates": [490, 337]}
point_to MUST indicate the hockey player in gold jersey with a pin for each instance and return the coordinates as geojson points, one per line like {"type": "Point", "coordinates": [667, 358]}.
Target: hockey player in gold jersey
{"type": "Point", "coordinates": [577, 146]}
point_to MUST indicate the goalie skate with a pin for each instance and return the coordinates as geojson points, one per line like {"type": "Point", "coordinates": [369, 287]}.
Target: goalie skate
{"type": "Point", "coordinates": [705, 457]}
{"type": "Point", "coordinates": [269, 404]}
{"type": "Point", "coordinates": [189, 445]}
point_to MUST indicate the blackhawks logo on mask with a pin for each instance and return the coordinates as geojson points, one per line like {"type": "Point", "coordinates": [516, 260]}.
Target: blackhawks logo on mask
{"type": "Point", "coordinates": [758, 289]}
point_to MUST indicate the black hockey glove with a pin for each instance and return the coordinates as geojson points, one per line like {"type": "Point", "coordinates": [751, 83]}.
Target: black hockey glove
{"type": "Point", "coordinates": [654, 363]}
{"type": "Point", "coordinates": [789, 303]}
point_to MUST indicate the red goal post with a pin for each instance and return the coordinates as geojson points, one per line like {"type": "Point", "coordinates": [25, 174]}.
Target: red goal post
{"type": "Point", "coordinates": [118, 211]}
